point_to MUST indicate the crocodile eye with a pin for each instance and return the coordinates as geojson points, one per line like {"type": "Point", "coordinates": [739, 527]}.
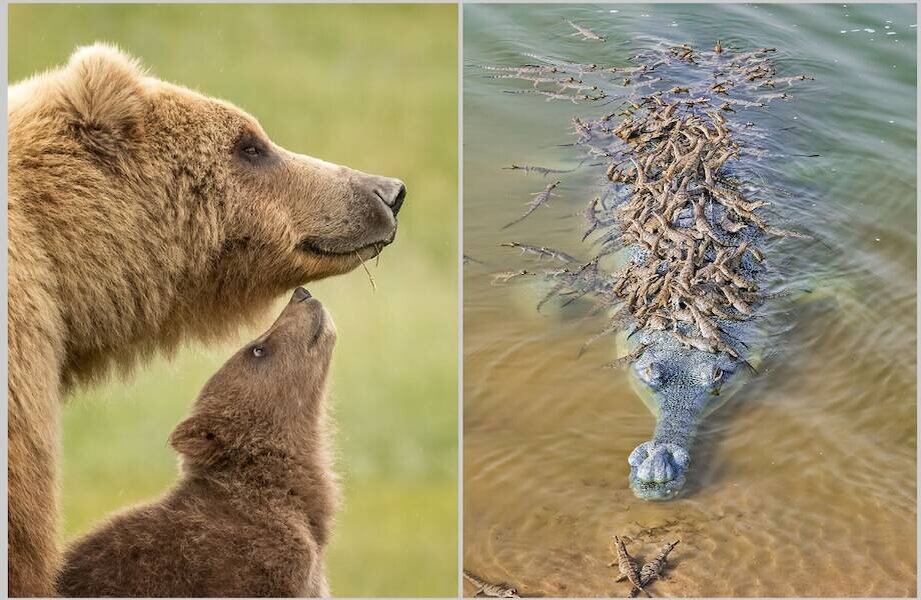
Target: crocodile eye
{"type": "Point", "coordinates": [650, 374]}
{"type": "Point", "coordinates": [259, 351]}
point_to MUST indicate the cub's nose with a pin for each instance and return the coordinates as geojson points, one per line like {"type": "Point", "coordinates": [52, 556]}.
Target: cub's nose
{"type": "Point", "coordinates": [392, 192]}
{"type": "Point", "coordinates": [300, 294]}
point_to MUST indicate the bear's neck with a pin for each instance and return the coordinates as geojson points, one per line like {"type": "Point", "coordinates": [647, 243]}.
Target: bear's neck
{"type": "Point", "coordinates": [280, 484]}
{"type": "Point", "coordinates": [151, 280]}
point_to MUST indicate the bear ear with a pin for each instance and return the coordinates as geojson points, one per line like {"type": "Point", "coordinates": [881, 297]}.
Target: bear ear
{"type": "Point", "coordinates": [197, 441]}
{"type": "Point", "coordinates": [104, 91]}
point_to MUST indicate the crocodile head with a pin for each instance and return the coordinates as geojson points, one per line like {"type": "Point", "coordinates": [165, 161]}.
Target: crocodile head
{"type": "Point", "coordinates": [681, 386]}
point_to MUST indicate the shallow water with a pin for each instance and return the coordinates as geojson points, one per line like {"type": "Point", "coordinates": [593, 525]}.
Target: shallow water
{"type": "Point", "coordinates": [804, 483]}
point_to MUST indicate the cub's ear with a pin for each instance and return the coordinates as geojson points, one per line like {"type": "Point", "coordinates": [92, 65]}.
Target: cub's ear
{"type": "Point", "coordinates": [197, 441]}
{"type": "Point", "coordinates": [104, 92]}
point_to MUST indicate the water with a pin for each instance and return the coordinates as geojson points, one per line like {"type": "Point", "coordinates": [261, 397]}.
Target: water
{"type": "Point", "coordinates": [804, 483]}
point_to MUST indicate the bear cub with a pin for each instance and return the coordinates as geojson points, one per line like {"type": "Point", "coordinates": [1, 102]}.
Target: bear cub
{"type": "Point", "coordinates": [252, 511]}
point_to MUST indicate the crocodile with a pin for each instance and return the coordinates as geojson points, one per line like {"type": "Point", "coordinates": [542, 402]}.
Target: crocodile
{"type": "Point", "coordinates": [540, 198]}
{"type": "Point", "coordinates": [627, 566]}
{"type": "Point", "coordinates": [585, 32]}
{"type": "Point", "coordinates": [543, 171]}
{"type": "Point", "coordinates": [688, 240]}
{"type": "Point", "coordinates": [650, 571]}
{"type": "Point", "coordinates": [492, 590]}
{"type": "Point", "coordinates": [571, 83]}
{"type": "Point", "coordinates": [541, 251]}
{"type": "Point", "coordinates": [557, 95]}
{"type": "Point", "coordinates": [692, 239]}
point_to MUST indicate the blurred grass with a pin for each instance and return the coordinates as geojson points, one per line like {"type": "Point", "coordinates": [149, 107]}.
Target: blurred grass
{"type": "Point", "coordinates": [373, 87]}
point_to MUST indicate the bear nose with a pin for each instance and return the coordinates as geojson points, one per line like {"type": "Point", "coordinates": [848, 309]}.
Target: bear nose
{"type": "Point", "coordinates": [300, 294]}
{"type": "Point", "coordinates": [398, 200]}
{"type": "Point", "coordinates": [392, 193]}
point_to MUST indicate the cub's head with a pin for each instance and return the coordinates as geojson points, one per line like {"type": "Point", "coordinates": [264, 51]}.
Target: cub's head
{"type": "Point", "coordinates": [267, 399]}
{"type": "Point", "coordinates": [252, 210]}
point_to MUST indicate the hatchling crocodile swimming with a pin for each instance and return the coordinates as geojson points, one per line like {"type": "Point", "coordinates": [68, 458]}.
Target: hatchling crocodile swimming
{"type": "Point", "coordinates": [685, 237]}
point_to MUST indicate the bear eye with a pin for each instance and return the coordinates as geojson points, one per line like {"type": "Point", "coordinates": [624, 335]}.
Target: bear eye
{"type": "Point", "coordinates": [717, 374]}
{"type": "Point", "coordinates": [259, 351]}
{"type": "Point", "coordinates": [252, 149]}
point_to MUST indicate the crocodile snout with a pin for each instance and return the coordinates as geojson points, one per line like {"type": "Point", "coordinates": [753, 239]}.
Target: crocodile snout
{"type": "Point", "coordinates": [657, 470]}
{"type": "Point", "coordinates": [657, 467]}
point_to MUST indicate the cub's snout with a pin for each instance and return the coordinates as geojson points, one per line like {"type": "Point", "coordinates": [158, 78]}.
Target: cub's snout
{"type": "Point", "coordinates": [305, 315]}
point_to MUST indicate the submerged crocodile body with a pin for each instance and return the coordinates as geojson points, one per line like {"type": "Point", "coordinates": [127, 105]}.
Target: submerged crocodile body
{"type": "Point", "coordinates": [685, 236]}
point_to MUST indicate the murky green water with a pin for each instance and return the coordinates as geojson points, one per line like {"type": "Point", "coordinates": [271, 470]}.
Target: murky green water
{"type": "Point", "coordinates": [804, 484]}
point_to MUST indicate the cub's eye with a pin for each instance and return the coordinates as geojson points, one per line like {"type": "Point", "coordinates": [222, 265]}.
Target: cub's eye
{"type": "Point", "coordinates": [717, 374]}
{"type": "Point", "coordinates": [251, 151]}
{"type": "Point", "coordinates": [259, 351]}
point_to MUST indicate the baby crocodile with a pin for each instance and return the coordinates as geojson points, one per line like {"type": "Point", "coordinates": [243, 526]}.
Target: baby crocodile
{"type": "Point", "coordinates": [653, 569]}
{"type": "Point", "coordinates": [492, 590]}
{"type": "Point", "coordinates": [540, 198]}
{"type": "Point", "coordinates": [522, 69]}
{"type": "Point", "coordinates": [571, 83]}
{"type": "Point", "coordinates": [535, 81]}
{"type": "Point", "coordinates": [585, 32]}
{"type": "Point", "coordinates": [539, 170]}
{"type": "Point", "coordinates": [627, 566]}
{"type": "Point", "coordinates": [506, 276]}
{"type": "Point", "coordinates": [555, 95]}
{"type": "Point", "coordinates": [541, 251]}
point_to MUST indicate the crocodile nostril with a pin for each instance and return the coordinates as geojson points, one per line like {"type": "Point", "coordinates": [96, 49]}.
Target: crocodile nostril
{"type": "Point", "coordinates": [659, 463]}
{"type": "Point", "coordinates": [657, 467]}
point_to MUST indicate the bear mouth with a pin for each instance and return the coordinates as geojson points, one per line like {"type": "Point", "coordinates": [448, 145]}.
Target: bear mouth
{"type": "Point", "coordinates": [337, 249]}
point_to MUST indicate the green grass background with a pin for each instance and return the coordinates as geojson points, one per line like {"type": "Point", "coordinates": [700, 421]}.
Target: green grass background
{"type": "Point", "coordinates": [373, 87]}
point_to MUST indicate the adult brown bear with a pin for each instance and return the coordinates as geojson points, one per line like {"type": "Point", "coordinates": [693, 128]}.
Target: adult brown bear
{"type": "Point", "coordinates": [142, 214]}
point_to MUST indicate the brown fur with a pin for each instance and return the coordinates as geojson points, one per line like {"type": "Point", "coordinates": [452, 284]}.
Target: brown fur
{"type": "Point", "coordinates": [251, 514]}
{"type": "Point", "coordinates": [137, 219]}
